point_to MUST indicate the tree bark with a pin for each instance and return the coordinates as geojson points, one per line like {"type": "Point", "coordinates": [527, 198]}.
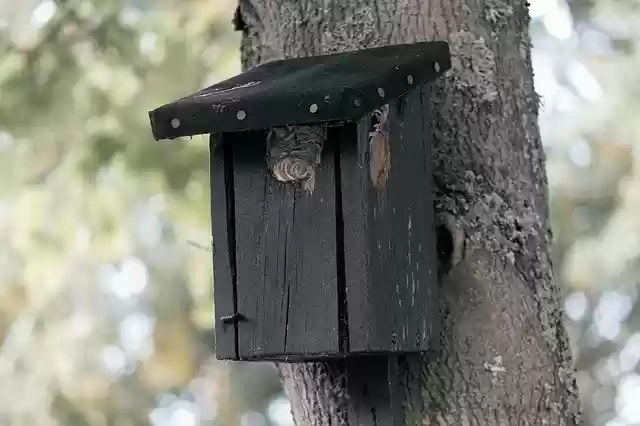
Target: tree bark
{"type": "Point", "coordinates": [503, 357]}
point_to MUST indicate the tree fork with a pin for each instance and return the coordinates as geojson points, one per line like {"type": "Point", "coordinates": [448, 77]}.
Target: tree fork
{"type": "Point", "coordinates": [503, 356]}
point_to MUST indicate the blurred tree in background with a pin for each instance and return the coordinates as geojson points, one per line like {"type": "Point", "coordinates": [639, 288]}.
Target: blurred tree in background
{"type": "Point", "coordinates": [105, 270]}
{"type": "Point", "coordinates": [105, 287]}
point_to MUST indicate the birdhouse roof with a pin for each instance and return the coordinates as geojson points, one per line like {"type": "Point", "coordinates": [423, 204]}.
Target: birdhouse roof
{"type": "Point", "coordinates": [310, 90]}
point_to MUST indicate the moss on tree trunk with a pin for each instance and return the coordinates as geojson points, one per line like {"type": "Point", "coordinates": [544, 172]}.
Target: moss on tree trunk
{"type": "Point", "coordinates": [504, 357]}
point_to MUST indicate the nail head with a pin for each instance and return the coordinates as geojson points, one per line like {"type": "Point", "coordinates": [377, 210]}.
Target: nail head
{"type": "Point", "coordinates": [241, 115]}
{"type": "Point", "coordinates": [175, 123]}
{"type": "Point", "coordinates": [313, 108]}
{"type": "Point", "coordinates": [410, 79]}
{"type": "Point", "coordinates": [381, 92]}
{"type": "Point", "coordinates": [436, 66]}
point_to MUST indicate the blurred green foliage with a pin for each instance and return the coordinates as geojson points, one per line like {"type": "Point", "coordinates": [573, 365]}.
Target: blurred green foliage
{"type": "Point", "coordinates": [105, 277]}
{"type": "Point", "coordinates": [105, 274]}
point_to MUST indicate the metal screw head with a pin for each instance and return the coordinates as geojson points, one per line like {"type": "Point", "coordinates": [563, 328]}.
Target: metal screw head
{"type": "Point", "coordinates": [381, 92]}
{"type": "Point", "coordinates": [436, 66]}
{"type": "Point", "coordinates": [313, 108]}
{"type": "Point", "coordinates": [357, 102]}
{"type": "Point", "coordinates": [410, 79]}
{"type": "Point", "coordinates": [175, 123]}
{"type": "Point", "coordinates": [241, 115]}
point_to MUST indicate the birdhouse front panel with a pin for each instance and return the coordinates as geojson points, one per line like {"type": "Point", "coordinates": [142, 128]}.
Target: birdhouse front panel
{"type": "Point", "coordinates": [286, 258]}
{"type": "Point", "coordinates": [322, 212]}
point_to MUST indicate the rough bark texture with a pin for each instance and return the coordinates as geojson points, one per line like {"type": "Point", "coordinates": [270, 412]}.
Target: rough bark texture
{"type": "Point", "coordinates": [504, 357]}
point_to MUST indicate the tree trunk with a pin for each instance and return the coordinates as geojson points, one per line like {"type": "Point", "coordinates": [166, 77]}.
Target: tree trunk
{"type": "Point", "coordinates": [503, 357]}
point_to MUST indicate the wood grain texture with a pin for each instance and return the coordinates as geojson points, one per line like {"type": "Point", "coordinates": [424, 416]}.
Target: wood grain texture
{"type": "Point", "coordinates": [368, 389]}
{"type": "Point", "coordinates": [390, 251]}
{"type": "Point", "coordinates": [223, 233]}
{"type": "Point", "coordinates": [286, 260]}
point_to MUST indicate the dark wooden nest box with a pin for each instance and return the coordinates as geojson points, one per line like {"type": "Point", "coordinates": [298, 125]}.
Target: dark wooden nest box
{"type": "Point", "coordinates": [349, 268]}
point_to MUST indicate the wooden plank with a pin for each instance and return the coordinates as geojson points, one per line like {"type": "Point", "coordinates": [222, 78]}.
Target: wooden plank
{"type": "Point", "coordinates": [406, 387]}
{"type": "Point", "coordinates": [312, 266]}
{"type": "Point", "coordinates": [261, 294]}
{"type": "Point", "coordinates": [389, 236]}
{"type": "Point", "coordinates": [222, 230]}
{"type": "Point", "coordinates": [355, 213]}
{"type": "Point", "coordinates": [369, 386]}
{"type": "Point", "coordinates": [285, 259]}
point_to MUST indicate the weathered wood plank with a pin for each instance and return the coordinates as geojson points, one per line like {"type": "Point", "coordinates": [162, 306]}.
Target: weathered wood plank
{"type": "Point", "coordinates": [223, 234]}
{"type": "Point", "coordinates": [355, 212]}
{"type": "Point", "coordinates": [369, 389]}
{"type": "Point", "coordinates": [261, 293]}
{"type": "Point", "coordinates": [312, 266]}
{"type": "Point", "coordinates": [286, 258]}
{"type": "Point", "coordinates": [389, 234]}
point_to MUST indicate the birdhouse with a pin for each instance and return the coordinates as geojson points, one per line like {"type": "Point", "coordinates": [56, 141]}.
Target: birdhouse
{"type": "Point", "coordinates": [340, 260]}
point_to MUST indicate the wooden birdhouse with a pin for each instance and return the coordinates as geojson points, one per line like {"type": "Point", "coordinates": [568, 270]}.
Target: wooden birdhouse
{"type": "Point", "coordinates": [347, 266]}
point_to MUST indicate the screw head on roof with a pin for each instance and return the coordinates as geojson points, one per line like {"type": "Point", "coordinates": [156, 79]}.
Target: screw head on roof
{"type": "Point", "coordinates": [381, 92]}
{"type": "Point", "coordinates": [410, 79]}
{"type": "Point", "coordinates": [313, 108]}
{"type": "Point", "coordinates": [241, 115]}
{"type": "Point", "coordinates": [357, 102]}
{"type": "Point", "coordinates": [175, 123]}
{"type": "Point", "coordinates": [436, 66]}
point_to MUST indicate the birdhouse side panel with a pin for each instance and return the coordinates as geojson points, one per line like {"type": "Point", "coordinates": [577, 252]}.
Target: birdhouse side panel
{"type": "Point", "coordinates": [286, 260]}
{"type": "Point", "coordinates": [222, 228]}
{"type": "Point", "coordinates": [390, 252]}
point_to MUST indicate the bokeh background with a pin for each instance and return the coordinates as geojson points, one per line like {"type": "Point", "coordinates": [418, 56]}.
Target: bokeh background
{"type": "Point", "coordinates": [105, 273]}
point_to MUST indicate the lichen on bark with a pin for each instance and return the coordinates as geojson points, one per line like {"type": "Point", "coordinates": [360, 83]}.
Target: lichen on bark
{"type": "Point", "coordinates": [499, 300]}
